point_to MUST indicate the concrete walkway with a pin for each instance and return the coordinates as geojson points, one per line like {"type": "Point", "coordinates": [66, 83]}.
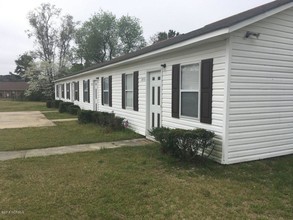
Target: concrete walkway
{"type": "Point", "coordinates": [9, 155]}
{"type": "Point", "coordinates": [64, 119]}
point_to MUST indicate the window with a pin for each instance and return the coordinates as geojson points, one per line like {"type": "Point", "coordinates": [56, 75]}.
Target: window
{"type": "Point", "coordinates": [189, 90]}
{"type": "Point", "coordinates": [62, 91]}
{"type": "Point", "coordinates": [68, 90]}
{"type": "Point", "coordinates": [76, 91]}
{"type": "Point", "coordinates": [86, 86]}
{"type": "Point", "coordinates": [129, 90]}
{"type": "Point", "coordinates": [57, 91]}
{"type": "Point", "coordinates": [106, 90]}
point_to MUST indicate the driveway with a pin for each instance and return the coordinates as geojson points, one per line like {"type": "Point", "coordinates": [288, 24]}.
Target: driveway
{"type": "Point", "coordinates": [23, 119]}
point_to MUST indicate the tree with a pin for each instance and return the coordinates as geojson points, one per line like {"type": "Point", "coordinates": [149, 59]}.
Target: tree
{"type": "Point", "coordinates": [103, 37]}
{"type": "Point", "coordinates": [130, 33]}
{"type": "Point", "coordinates": [52, 36]}
{"type": "Point", "coordinates": [161, 36]}
{"type": "Point", "coordinates": [66, 35]}
{"type": "Point", "coordinates": [23, 62]}
{"type": "Point", "coordinates": [43, 20]}
{"type": "Point", "coordinates": [40, 85]}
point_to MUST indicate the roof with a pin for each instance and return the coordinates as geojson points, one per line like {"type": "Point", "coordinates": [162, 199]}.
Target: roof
{"type": "Point", "coordinates": [221, 24]}
{"type": "Point", "coordinates": [13, 86]}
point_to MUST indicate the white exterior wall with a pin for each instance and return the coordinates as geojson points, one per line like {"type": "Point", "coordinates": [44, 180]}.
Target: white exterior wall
{"type": "Point", "coordinates": [138, 120]}
{"type": "Point", "coordinates": [218, 52]}
{"type": "Point", "coordinates": [261, 90]}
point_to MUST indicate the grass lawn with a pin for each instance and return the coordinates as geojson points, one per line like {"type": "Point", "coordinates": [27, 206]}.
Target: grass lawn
{"type": "Point", "coordinates": [10, 106]}
{"type": "Point", "coordinates": [57, 115]}
{"type": "Point", "coordinates": [140, 183]}
{"type": "Point", "coordinates": [65, 133]}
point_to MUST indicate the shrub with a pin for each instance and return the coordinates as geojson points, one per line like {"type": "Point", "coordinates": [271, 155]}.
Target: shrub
{"type": "Point", "coordinates": [163, 136]}
{"type": "Point", "coordinates": [56, 103]}
{"type": "Point", "coordinates": [104, 119]}
{"type": "Point", "coordinates": [85, 116]}
{"type": "Point", "coordinates": [116, 123]}
{"type": "Point", "coordinates": [63, 106]}
{"type": "Point", "coordinates": [73, 109]}
{"type": "Point", "coordinates": [185, 144]}
{"type": "Point", "coordinates": [96, 116]}
{"type": "Point", "coordinates": [49, 103]}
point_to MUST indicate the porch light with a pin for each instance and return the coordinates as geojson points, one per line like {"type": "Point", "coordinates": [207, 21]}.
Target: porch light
{"type": "Point", "coordinates": [252, 34]}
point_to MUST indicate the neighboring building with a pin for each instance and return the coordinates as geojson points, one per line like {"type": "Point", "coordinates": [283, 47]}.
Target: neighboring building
{"type": "Point", "coordinates": [12, 90]}
{"type": "Point", "coordinates": [233, 77]}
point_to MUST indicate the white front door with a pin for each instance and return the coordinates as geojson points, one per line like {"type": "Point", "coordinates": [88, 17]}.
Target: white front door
{"type": "Point", "coordinates": [95, 95]}
{"type": "Point", "coordinates": [155, 92]}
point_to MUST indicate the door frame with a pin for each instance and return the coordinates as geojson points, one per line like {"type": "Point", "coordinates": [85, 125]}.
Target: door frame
{"type": "Point", "coordinates": [148, 98]}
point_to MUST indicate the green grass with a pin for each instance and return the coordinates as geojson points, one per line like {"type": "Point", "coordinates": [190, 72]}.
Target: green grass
{"type": "Point", "coordinates": [57, 115]}
{"type": "Point", "coordinates": [65, 133]}
{"type": "Point", "coordinates": [140, 183]}
{"type": "Point", "coordinates": [12, 106]}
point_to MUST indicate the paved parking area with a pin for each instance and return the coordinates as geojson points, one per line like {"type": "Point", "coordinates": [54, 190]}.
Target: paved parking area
{"type": "Point", "coordinates": [23, 119]}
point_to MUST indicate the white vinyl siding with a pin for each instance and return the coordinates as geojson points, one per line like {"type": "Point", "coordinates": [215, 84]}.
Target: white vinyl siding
{"type": "Point", "coordinates": [217, 51]}
{"type": "Point", "coordinates": [138, 119]}
{"type": "Point", "coordinates": [261, 91]}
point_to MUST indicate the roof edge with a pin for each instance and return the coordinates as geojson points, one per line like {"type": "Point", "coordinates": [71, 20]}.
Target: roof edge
{"type": "Point", "coordinates": [232, 23]}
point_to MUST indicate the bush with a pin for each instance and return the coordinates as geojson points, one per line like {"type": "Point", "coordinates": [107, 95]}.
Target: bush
{"type": "Point", "coordinates": [106, 118]}
{"type": "Point", "coordinates": [49, 103]}
{"type": "Point", "coordinates": [73, 109]}
{"type": "Point", "coordinates": [56, 103]}
{"type": "Point", "coordinates": [63, 106]}
{"type": "Point", "coordinates": [162, 135]}
{"type": "Point", "coordinates": [85, 116]}
{"type": "Point", "coordinates": [103, 119]}
{"type": "Point", "coordinates": [116, 123]}
{"type": "Point", "coordinates": [185, 144]}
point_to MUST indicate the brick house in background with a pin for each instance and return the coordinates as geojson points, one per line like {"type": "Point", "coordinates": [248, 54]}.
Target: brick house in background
{"type": "Point", "coordinates": [12, 90]}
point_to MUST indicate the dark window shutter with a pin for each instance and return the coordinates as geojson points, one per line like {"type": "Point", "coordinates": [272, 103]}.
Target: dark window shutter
{"type": "Point", "coordinates": [102, 90]}
{"type": "Point", "coordinates": [123, 90]}
{"type": "Point", "coordinates": [77, 87]}
{"type": "Point", "coordinates": [110, 91]}
{"type": "Point", "coordinates": [78, 91]}
{"type": "Point", "coordinates": [206, 91]}
{"type": "Point", "coordinates": [83, 90]}
{"type": "Point", "coordinates": [135, 91]}
{"type": "Point", "coordinates": [175, 90]}
{"type": "Point", "coordinates": [88, 91]}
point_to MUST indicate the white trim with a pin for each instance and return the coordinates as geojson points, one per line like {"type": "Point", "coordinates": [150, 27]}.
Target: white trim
{"type": "Point", "coordinates": [226, 111]}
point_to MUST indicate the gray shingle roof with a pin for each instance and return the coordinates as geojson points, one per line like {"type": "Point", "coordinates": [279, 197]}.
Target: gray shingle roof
{"type": "Point", "coordinates": [221, 24]}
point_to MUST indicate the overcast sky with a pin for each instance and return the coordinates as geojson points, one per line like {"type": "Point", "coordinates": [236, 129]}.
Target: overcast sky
{"type": "Point", "coordinates": [155, 15]}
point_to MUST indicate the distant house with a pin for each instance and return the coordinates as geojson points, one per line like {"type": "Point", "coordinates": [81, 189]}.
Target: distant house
{"type": "Point", "coordinates": [12, 90]}
{"type": "Point", "coordinates": [233, 77]}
